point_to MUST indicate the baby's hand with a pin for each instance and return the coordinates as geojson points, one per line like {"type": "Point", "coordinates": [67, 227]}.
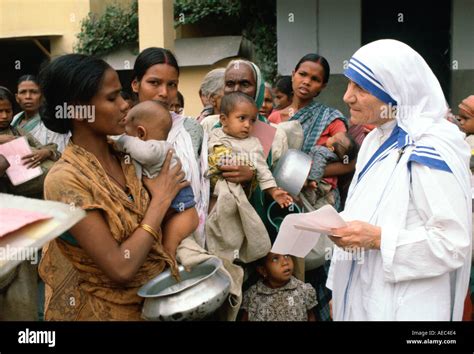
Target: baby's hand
{"type": "Point", "coordinates": [311, 185]}
{"type": "Point", "coordinates": [281, 197]}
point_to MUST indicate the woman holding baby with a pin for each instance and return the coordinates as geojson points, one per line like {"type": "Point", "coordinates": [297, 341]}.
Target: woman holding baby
{"type": "Point", "coordinates": [93, 271]}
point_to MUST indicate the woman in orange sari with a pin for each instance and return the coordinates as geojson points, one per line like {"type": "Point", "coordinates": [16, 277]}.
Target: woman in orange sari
{"type": "Point", "coordinates": [93, 271]}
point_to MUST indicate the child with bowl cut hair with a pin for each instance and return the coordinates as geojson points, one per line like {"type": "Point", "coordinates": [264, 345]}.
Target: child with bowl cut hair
{"type": "Point", "coordinates": [278, 295]}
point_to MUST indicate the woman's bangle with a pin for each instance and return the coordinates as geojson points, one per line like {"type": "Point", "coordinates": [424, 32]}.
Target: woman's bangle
{"type": "Point", "coordinates": [155, 234]}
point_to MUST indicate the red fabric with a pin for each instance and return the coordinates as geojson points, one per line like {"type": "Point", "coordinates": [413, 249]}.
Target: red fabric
{"type": "Point", "coordinates": [336, 126]}
{"type": "Point", "coordinates": [468, 314]}
{"type": "Point", "coordinates": [275, 117]}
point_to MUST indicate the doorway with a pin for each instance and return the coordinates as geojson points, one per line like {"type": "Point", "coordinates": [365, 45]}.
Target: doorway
{"type": "Point", "coordinates": [423, 25]}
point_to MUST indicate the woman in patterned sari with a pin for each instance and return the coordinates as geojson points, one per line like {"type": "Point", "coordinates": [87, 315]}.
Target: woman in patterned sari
{"type": "Point", "coordinates": [319, 122]}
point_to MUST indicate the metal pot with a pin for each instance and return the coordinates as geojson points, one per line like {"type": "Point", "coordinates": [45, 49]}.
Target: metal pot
{"type": "Point", "coordinates": [199, 293]}
{"type": "Point", "coordinates": [292, 171]}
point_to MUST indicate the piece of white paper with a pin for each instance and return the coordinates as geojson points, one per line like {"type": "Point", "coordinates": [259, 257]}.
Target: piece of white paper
{"type": "Point", "coordinates": [23, 244]}
{"type": "Point", "coordinates": [13, 151]}
{"type": "Point", "coordinates": [299, 233]}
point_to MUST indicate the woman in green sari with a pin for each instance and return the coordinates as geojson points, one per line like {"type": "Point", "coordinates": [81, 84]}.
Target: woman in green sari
{"type": "Point", "coordinates": [244, 76]}
{"type": "Point", "coordinates": [29, 98]}
{"type": "Point", "coordinates": [319, 123]}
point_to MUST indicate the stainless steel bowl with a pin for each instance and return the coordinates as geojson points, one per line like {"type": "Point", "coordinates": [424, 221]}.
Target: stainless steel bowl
{"type": "Point", "coordinates": [292, 171]}
{"type": "Point", "coordinates": [199, 293]}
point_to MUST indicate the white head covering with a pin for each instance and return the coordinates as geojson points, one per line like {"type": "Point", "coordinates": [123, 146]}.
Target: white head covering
{"type": "Point", "coordinates": [396, 74]}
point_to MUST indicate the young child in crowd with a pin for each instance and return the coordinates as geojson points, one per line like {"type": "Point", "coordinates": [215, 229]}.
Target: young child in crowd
{"type": "Point", "coordinates": [232, 144]}
{"type": "Point", "coordinates": [283, 97]}
{"type": "Point", "coordinates": [147, 127]}
{"type": "Point", "coordinates": [278, 295]}
{"type": "Point", "coordinates": [177, 105]}
{"type": "Point", "coordinates": [339, 148]}
{"type": "Point", "coordinates": [466, 120]}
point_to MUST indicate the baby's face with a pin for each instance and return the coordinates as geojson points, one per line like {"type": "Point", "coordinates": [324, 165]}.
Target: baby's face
{"type": "Point", "coordinates": [239, 123]}
{"type": "Point", "coordinates": [339, 138]}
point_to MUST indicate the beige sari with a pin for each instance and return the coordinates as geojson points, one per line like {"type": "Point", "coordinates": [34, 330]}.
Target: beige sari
{"type": "Point", "coordinates": [76, 289]}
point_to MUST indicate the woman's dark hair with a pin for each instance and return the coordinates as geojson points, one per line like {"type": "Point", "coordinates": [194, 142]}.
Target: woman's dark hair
{"type": "Point", "coordinates": [284, 85]}
{"type": "Point", "coordinates": [27, 77]}
{"type": "Point", "coordinates": [7, 95]}
{"type": "Point", "coordinates": [69, 79]}
{"type": "Point", "coordinates": [180, 99]}
{"type": "Point", "coordinates": [152, 56]}
{"type": "Point", "coordinates": [316, 58]}
{"type": "Point", "coordinates": [230, 100]}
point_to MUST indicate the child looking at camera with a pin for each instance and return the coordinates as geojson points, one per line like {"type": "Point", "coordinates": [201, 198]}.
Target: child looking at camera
{"type": "Point", "coordinates": [233, 144]}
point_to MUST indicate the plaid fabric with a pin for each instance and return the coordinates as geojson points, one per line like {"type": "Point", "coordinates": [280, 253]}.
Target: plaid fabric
{"type": "Point", "coordinates": [317, 278]}
{"type": "Point", "coordinates": [314, 119]}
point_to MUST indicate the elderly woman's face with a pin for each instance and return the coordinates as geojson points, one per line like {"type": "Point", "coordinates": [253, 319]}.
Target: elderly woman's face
{"type": "Point", "coordinates": [364, 107]}
{"type": "Point", "coordinates": [240, 78]}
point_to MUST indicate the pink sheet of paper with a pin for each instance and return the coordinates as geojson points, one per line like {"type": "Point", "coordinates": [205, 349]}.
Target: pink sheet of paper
{"type": "Point", "coordinates": [265, 133]}
{"type": "Point", "coordinates": [13, 152]}
{"type": "Point", "coordinates": [14, 219]}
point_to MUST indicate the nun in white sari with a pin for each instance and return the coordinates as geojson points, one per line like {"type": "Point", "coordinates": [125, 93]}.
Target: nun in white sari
{"type": "Point", "coordinates": [410, 199]}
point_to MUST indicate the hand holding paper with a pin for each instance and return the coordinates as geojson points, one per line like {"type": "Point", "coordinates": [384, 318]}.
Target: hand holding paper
{"type": "Point", "coordinates": [13, 152]}
{"type": "Point", "coordinates": [299, 233]}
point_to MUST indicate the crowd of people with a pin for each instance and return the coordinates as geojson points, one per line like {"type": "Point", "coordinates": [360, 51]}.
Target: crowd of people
{"type": "Point", "coordinates": [156, 184]}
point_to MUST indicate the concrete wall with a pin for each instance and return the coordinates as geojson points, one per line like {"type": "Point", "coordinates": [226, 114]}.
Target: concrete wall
{"type": "Point", "coordinates": [24, 18]}
{"type": "Point", "coordinates": [339, 26]}
{"type": "Point", "coordinates": [296, 32]}
{"type": "Point", "coordinates": [156, 24]}
{"type": "Point", "coordinates": [462, 79]}
{"type": "Point", "coordinates": [189, 82]}
{"type": "Point", "coordinates": [58, 19]}
{"type": "Point", "coordinates": [327, 27]}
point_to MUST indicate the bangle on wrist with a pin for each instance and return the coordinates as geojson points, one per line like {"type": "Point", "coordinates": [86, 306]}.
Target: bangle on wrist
{"type": "Point", "coordinates": [154, 233]}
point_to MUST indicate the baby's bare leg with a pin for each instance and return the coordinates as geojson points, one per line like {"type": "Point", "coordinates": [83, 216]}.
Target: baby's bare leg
{"type": "Point", "coordinates": [177, 228]}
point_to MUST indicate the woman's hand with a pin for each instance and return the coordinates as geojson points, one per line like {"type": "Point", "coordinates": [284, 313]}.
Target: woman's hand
{"type": "Point", "coordinates": [357, 234]}
{"type": "Point", "coordinates": [6, 138]}
{"type": "Point", "coordinates": [36, 158]}
{"type": "Point", "coordinates": [168, 183]}
{"type": "Point", "coordinates": [239, 174]}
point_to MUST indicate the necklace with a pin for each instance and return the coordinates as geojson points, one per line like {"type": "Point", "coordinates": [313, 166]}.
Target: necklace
{"type": "Point", "coordinates": [123, 187]}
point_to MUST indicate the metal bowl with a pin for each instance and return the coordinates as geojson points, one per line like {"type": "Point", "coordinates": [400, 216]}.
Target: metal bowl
{"type": "Point", "coordinates": [199, 293]}
{"type": "Point", "coordinates": [292, 171]}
